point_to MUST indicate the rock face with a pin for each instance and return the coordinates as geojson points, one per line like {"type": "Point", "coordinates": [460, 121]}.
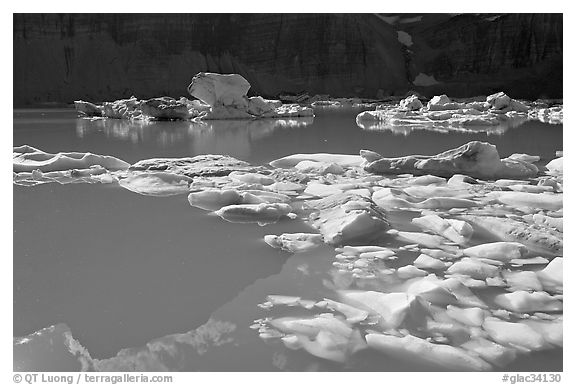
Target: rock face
{"type": "Point", "coordinates": [61, 58]}
{"type": "Point", "coordinates": [476, 159]}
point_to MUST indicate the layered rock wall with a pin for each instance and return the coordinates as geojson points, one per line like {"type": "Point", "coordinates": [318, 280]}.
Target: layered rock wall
{"type": "Point", "coordinates": [61, 58]}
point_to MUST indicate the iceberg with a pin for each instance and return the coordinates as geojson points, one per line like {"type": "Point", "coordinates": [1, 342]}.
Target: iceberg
{"type": "Point", "coordinates": [156, 183]}
{"type": "Point", "coordinates": [514, 334]}
{"type": "Point", "coordinates": [342, 160]}
{"type": "Point", "coordinates": [452, 229]}
{"type": "Point", "coordinates": [417, 349]}
{"type": "Point", "coordinates": [260, 213]}
{"type": "Point", "coordinates": [476, 159]}
{"type": "Point", "coordinates": [27, 159]}
{"type": "Point", "coordinates": [294, 243]}
{"type": "Point", "coordinates": [346, 217]}
{"type": "Point", "coordinates": [499, 251]}
{"type": "Point", "coordinates": [526, 302]}
{"type": "Point", "coordinates": [200, 165]}
{"type": "Point", "coordinates": [538, 241]}
{"type": "Point", "coordinates": [392, 309]}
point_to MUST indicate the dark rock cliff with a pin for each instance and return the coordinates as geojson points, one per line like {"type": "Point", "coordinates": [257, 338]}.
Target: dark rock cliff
{"type": "Point", "coordinates": [59, 58]}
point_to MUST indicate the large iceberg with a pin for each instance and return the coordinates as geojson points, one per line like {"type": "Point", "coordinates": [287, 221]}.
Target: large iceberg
{"type": "Point", "coordinates": [218, 97]}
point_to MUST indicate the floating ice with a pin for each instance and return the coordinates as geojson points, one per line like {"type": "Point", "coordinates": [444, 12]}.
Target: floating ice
{"type": "Point", "coordinates": [410, 271]}
{"type": "Point", "coordinates": [353, 315]}
{"type": "Point", "coordinates": [490, 351]}
{"type": "Point", "coordinates": [416, 349]}
{"type": "Point", "coordinates": [428, 263]}
{"type": "Point", "coordinates": [322, 168]}
{"type": "Point", "coordinates": [452, 229]}
{"type": "Point", "coordinates": [523, 301]}
{"type": "Point", "coordinates": [339, 225]}
{"type": "Point", "coordinates": [537, 240]}
{"type": "Point", "coordinates": [260, 213]}
{"type": "Point", "coordinates": [551, 276]}
{"type": "Point", "coordinates": [156, 183]}
{"type": "Point", "coordinates": [476, 159]}
{"type": "Point", "coordinates": [392, 309]}
{"type": "Point", "coordinates": [526, 199]}
{"type": "Point", "coordinates": [340, 159]}
{"type": "Point", "coordinates": [499, 251]}
{"type": "Point", "coordinates": [294, 243]}
{"type": "Point", "coordinates": [472, 316]}
{"type": "Point", "coordinates": [514, 334]}
{"type": "Point", "coordinates": [473, 268]}
{"type": "Point", "coordinates": [323, 336]}
{"type": "Point", "coordinates": [522, 280]}
{"type": "Point", "coordinates": [200, 165]}
{"type": "Point", "coordinates": [27, 159]}
{"type": "Point", "coordinates": [556, 166]}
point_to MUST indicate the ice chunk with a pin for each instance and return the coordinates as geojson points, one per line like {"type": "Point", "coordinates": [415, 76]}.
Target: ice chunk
{"type": "Point", "coordinates": [340, 159]}
{"type": "Point", "coordinates": [490, 351]}
{"type": "Point", "coordinates": [538, 241]}
{"type": "Point", "coordinates": [410, 271]}
{"type": "Point", "coordinates": [416, 349]}
{"type": "Point", "coordinates": [156, 183]}
{"type": "Point", "coordinates": [426, 262]}
{"type": "Point", "coordinates": [321, 168]}
{"type": "Point", "coordinates": [552, 331]}
{"type": "Point", "coordinates": [551, 276]}
{"type": "Point", "coordinates": [261, 213]}
{"type": "Point", "coordinates": [294, 243]}
{"type": "Point", "coordinates": [165, 109]}
{"type": "Point", "coordinates": [217, 89]}
{"type": "Point", "coordinates": [87, 108]}
{"type": "Point", "coordinates": [423, 239]}
{"type": "Point", "coordinates": [411, 103]}
{"type": "Point", "coordinates": [525, 199]}
{"type": "Point", "coordinates": [251, 178]}
{"type": "Point", "coordinates": [522, 280]}
{"type": "Point", "coordinates": [452, 229]}
{"type": "Point", "coordinates": [473, 316]}
{"type": "Point", "coordinates": [352, 314]}
{"type": "Point", "coordinates": [214, 199]}
{"type": "Point", "coordinates": [200, 165]}
{"type": "Point", "coordinates": [548, 221]}
{"type": "Point", "coordinates": [473, 268]}
{"type": "Point", "coordinates": [525, 157]}
{"type": "Point", "coordinates": [27, 159]}
{"type": "Point", "coordinates": [499, 251]}
{"type": "Point", "coordinates": [476, 159]}
{"type": "Point", "coordinates": [514, 334]}
{"type": "Point", "coordinates": [392, 309]}
{"type": "Point", "coordinates": [323, 336]}
{"type": "Point", "coordinates": [556, 166]}
{"type": "Point", "coordinates": [523, 301]}
{"type": "Point", "coordinates": [339, 225]}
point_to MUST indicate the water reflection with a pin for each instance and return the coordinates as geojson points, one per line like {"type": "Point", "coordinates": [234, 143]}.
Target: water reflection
{"type": "Point", "coordinates": [233, 137]}
{"type": "Point", "coordinates": [407, 128]}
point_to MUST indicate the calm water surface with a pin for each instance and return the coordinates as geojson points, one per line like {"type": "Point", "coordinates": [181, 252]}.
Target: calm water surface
{"type": "Point", "coordinates": [123, 270]}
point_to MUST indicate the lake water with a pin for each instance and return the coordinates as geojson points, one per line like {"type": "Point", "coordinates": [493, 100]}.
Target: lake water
{"type": "Point", "coordinates": [123, 270]}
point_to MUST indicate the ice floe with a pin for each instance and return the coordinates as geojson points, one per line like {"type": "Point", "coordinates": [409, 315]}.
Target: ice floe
{"type": "Point", "coordinates": [294, 243]}
{"type": "Point", "coordinates": [346, 217]}
{"type": "Point", "coordinates": [262, 213]}
{"type": "Point", "coordinates": [420, 350]}
{"type": "Point", "coordinates": [476, 159]}
{"type": "Point", "coordinates": [497, 112]}
{"type": "Point", "coordinates": [27, 159]}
